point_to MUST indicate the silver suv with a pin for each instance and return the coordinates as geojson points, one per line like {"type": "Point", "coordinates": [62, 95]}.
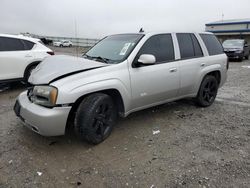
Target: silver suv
{"type": "Point", "coordinates": [121, 74]}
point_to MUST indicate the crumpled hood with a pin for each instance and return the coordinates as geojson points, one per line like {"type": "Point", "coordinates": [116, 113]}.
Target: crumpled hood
{"type": "Point", "coordinates": [59, 66]}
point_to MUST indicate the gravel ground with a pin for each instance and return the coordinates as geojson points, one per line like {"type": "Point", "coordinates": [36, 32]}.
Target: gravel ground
{"type": "Point", "coordinates": [193, 147]}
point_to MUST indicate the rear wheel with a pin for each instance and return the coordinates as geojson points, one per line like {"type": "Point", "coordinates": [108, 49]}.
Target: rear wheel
{"type": "Point", "coordinates": [207, 92]}
{"type": "Point", "coordinates": [95, 118]}
{"type": "Point", "coordinates": [247, 56]}
{"type": "Point", "coordinates": [61, 45]}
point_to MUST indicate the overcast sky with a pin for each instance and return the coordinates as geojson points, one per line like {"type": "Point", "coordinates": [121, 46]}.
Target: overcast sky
{"type": "Point", "coordinates": [98, 18]}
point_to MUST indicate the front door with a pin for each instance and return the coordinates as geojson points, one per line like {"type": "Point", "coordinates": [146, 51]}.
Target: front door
{"type": "Point", "coordinates": [156, 83]}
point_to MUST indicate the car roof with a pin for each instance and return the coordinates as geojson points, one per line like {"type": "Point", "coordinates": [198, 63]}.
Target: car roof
{"type": "Point", "coordinates": [35, 40]}
{"type": "Point", "coordinates": [161, 32]}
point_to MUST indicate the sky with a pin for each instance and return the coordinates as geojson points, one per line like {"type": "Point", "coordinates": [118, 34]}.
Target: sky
{"type": "Point", "coordinates": [99, 18]}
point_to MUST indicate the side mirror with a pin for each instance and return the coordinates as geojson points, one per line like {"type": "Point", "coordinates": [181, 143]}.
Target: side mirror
{"type": "Point", "coordinates": [147, 59]}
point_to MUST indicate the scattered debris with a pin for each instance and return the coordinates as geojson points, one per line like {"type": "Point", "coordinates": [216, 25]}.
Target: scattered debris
{"type": "Point", "coordinates": [152, 186]}
{"type": "Point", "coordinates": [245, 66]}
{"type": "Point", "coordinates": [156, 132]}
{"type": "Point", "coordinates": [39, 173]}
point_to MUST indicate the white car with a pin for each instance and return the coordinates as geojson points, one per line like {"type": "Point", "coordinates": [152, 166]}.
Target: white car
{"type": "Point", "coordinates": [19, 55]}
{"type": "Point", "coordinates": [63, 43]}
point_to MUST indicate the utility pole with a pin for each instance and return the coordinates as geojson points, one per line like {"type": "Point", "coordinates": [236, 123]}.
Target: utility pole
{"type": "Point", "coordinates": [222, 17]}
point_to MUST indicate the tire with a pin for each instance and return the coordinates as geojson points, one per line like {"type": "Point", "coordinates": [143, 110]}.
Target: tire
{"type": "Point", "coordinates": [28, 72]}
{"type": "Point", "coordinates": [240, 59]}
{"type": "Point", "coordinates": [70, 45]}
{"type": "Point", "coordinates": [61, 45]}
{"type": "Point", "coordinates": [95, 118]}
{"type": "Point", "coordinates": [207, 92]}
{"type": "Point", "coordinates": [247, 56]}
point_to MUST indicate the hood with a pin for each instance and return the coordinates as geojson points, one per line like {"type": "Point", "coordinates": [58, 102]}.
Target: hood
{"type": "Point", "coordinates": [56, 67]}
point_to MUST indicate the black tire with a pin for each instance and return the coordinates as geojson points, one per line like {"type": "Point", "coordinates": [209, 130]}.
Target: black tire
{"type": "Point", "coordinates": [61, 45]}
{"type": "Point", "coordinates": [28, 72]}
{"type": "Point", "coordinates": [247, 57]}
{"type": "Point", "coordinates": [240, 59]}
{"type": "Point", "coordinates": [95, 118]}
{"type": "Point", "coordinates": [207, 92]}
{"type": "Point", "coordinates": [70, 45]}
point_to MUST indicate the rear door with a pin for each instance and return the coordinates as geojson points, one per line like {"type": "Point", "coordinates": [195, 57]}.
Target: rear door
{"type": "Point", "coordinates": [153, 84]}
{"type": "Point", "coordinates": [191, 62]}
{"type": "Point", "coordinates": [14, 58]}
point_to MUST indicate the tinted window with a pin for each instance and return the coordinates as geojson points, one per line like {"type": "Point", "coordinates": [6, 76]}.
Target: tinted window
{"type": "Point", "coordinates": [161, 46]}
{"type": "Point", "coordinates": [214, 47]}
{"type": "Point", "coordinates": [185, 45]}
{"type": "Point", "coordinates": [11, 44]}
{"type": "Point", "coordinates": [28, 45]}
{"type": "Point", "coordinates": [197, 48]}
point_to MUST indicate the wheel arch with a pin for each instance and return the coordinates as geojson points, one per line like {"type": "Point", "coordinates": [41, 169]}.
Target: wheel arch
{"type": "Point", "coordinates": [35, 63]}
{"type": "Point", "coordinates": [216, 72]}
{"type": "Point", "coordinates": [115, 95]}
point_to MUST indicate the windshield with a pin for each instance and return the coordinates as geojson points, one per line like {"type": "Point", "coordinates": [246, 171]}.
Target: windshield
{"type": "Point", "coordinates": [114, 49]}
{"type": "Point", "coordinates": [233, 43]}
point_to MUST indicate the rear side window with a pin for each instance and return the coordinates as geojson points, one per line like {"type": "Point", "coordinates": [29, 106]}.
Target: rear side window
{"type": "Point", "coordinates": [213, 45]}
{"type": "Point", "coordinates": [11, 44]}
{"type": "Point", "coordinates": [189, 45]}
{"type": "Point", "coordinates": [197, 48]}
{"type": "Point", "coordinates": [28, 44]}
{"type": "Point", "coordinates": [161, 46]}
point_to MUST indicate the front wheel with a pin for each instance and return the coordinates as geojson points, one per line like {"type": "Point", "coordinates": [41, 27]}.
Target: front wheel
{"type": "Point", "coordinates": [207, 92]}
{"type": "Point", "coordinates": [95, 118]}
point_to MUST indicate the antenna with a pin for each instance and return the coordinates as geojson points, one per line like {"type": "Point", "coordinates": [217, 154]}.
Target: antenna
{"type": "Point", "coordinates": [141, 30]}
{"type": "Point", "coordinates": [76, 38]}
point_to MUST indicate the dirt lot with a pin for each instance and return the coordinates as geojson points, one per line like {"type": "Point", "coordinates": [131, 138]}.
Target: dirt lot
{"type": "Point", "coordinates": [196, 147]}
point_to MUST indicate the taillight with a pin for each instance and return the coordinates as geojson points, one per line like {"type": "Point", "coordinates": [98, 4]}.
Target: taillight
{"type": "Point", "coordinates": [227, 63]}
{"type": "Point", "coordinates": [51, 53]}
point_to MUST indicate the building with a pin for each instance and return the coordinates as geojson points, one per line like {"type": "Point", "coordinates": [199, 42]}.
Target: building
{"type": "Point", "coordinates": [230, 29]}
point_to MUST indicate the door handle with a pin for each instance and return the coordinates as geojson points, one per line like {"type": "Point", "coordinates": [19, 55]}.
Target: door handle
{"type": "Point", "coordinates": [203, 65]}
{"type": "Point", "coordinates": [173, 70]}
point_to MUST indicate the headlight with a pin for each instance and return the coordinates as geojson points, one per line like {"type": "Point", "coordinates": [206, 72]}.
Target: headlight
{"type": "Point", "coordinates": [44, 95]}
{"type": "Point", "coordinates": [238, 51]}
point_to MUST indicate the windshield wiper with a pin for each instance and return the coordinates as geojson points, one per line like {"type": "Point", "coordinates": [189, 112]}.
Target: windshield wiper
{"type": "Point", "coordinates": [104, 60]}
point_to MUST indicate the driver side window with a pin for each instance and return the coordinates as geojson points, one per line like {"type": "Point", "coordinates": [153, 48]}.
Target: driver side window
{"type": "Point", "coordinates": [161, 46]}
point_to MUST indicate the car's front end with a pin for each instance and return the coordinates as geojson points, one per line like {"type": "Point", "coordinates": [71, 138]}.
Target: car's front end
{"type": "Point", "coordinates": [59, 81]}
{"type": "Point", "coordinates": [234, 48]}
{"type": "Point", "coordinates": [38, 111]}
{"type": "Point", "coordinates": [38, 107]}
{"type": "Point", "coordinates": [234, 53]}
